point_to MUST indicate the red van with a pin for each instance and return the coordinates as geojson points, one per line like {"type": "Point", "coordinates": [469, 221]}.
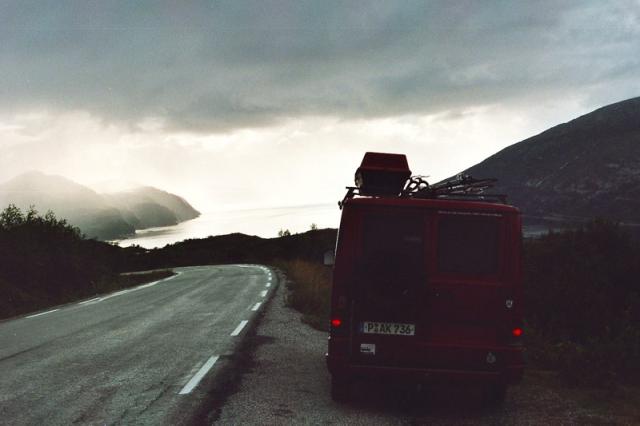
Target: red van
{"type": "Point", "coordinates": [427, 282]}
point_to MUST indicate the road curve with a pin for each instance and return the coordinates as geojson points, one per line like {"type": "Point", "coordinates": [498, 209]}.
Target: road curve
{"type": "Point", "coordinates": [146, 355]}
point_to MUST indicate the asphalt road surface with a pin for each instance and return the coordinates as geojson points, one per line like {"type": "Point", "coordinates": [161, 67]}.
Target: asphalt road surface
{"type": "Point", "coordinates": [146, 355]}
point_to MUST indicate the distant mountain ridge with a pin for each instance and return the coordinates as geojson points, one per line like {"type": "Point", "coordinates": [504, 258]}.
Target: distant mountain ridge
{"type": "Point", "coordinates": [103, 216]}
{"type": "Point", "coordinates": [585, 168]}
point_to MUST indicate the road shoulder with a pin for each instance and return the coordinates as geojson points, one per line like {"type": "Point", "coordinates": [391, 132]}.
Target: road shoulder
{"type": "Point", "coordinates": [284, 380]}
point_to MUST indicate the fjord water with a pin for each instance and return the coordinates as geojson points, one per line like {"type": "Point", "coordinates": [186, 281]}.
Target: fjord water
{"type": "Point", "coordinates": [261, 222]}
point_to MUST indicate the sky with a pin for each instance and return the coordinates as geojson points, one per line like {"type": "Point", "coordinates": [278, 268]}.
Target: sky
{"type": "Point", "coordinates": [254, 104]}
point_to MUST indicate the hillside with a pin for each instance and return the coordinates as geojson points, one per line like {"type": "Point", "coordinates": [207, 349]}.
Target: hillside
{"type": "Point", "coordinates": [102, 216]}
{"type": "Point", "coordinates": [233, 248]}
{"type": "Point", "coordinates": [147, 207]}
{"type": "Point", "coordinates": [585, 168]}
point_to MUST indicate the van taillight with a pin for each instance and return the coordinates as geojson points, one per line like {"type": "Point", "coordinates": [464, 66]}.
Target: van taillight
{"type": "Point", "coordinates": [336, 322]}
{"type": "Point", "coordinates": [516, 332]}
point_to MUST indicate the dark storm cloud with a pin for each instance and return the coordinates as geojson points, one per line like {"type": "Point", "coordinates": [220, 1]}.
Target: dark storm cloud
{"type": "Point", "coordinates": [213, 66]}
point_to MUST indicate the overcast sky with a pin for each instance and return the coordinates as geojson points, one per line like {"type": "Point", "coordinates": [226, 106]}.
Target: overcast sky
{"type": "Point", "coordinates": [271, 103]}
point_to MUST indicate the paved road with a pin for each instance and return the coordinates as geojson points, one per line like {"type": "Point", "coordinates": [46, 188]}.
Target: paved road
{"type": "Point", "coordinates": [147, 355]}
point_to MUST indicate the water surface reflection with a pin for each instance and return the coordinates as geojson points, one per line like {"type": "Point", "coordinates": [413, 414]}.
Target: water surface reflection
{"type": "Point", "coordinates": [261, 222]}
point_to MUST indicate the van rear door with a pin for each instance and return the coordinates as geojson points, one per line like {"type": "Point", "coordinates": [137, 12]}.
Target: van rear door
{"type": "Point", "coordinates": [430, 290]}
{"type": "Point", "coordinates": [467, 291]}
{"type": "Point", "coordinates": [389, 293]}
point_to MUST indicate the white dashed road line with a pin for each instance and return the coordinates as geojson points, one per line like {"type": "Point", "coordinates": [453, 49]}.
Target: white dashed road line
{"type": "Point", "coordinates": [198, 376]}
{"type": "Point", "coordinates": [212, 360]}
{"type": "Point", "coordinates": [239, 328]}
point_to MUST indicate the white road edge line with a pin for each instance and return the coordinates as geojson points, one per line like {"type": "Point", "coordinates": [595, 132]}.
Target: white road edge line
{"type": "Point", "coordinates": [42, 313]}
{"type": "Point", "coordinates": [263, 293]}
{"type": "Point", "coordinates": [129, 290]}
{"type": "Point", "coordinates": [117, 293]}
{"type": "Point", "coordinates": [256, 306]}
{"type": "Point", "coordinates": [198, 376]}
{"type": "Point", "coordinates": [239, 328]}
{"type": "Point", "coordinates": [177, 274]}
{"type": "Point", "coordinates": [268, 285]}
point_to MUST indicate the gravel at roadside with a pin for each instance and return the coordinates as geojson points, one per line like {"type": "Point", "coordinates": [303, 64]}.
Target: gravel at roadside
{"type": "Point", "coordinates": [287, 383]}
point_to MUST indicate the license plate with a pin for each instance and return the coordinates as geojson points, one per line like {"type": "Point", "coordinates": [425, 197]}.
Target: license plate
{"type": "Point", "coordinates": [393, 328]}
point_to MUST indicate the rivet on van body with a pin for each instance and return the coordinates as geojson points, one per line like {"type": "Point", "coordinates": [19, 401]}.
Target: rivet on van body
{"type": "Point", "coordinates": [491, 358]}
{"type": "Point", "coordinates": [509, 303]}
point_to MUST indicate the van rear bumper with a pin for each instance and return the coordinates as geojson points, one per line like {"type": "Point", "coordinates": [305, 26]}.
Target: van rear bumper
{"type": "Point", "coordinates": [341, 368]}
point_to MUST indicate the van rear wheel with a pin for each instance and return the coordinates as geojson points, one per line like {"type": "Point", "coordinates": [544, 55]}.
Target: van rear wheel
{"type": "Point", "coordinates": [340, 389]}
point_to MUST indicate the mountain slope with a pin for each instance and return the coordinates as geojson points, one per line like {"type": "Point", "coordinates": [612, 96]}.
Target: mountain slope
{"type": "Point", "coordinates": [81, 206]}
{"type": "Point", "coordinates": [178, 205]}
{"type": "Point", "coordinates": [581, 169]}
{"type": "Point", "coordinates": [169, 208]}
{"type": "Point", "coordinates": [54, 191]}
{"type": "Point", "coordinates": [108, 216]}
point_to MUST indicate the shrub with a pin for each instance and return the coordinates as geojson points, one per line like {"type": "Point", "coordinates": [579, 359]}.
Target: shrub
{"type": "Point", "coordinates": [44, 261]}
{"type": "Point", "coordinates": [583, 302]}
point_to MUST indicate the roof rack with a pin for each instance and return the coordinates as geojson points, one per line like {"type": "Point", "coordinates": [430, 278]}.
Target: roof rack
{"type": "Point", "coordinates": [461, 187]}
{"type": "Point", "coordinates": [388, 175]}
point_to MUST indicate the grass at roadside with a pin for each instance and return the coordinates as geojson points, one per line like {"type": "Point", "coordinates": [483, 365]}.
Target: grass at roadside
{"type": "Point", "coordinates": [309, 288]}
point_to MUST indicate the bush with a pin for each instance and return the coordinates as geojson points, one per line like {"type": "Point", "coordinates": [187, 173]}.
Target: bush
{"type": "Point", "coordinates": [583, 303]}
{"type": "Point", "coordinates": [44, 261]}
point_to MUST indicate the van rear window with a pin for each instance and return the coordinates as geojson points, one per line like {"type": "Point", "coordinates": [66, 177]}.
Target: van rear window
{"type": "Point", "coordinates": [395, 241]}
{"type": "Point", "coordinates": [467, 244]}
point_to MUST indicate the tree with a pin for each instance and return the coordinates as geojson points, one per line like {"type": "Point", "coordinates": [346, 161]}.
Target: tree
{"type": "Point", "coordinates": [314, 227]}
{"type": "Point", "coordinates": [45, 261]}
{"type": "Point", "coordinates": [284, 233]}
{"type": "Point", "coordinates": [11, 217]}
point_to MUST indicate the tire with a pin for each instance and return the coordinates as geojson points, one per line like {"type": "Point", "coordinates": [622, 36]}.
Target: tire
{"type": "Point", "coordinates": [340, 389]}
{"type": "Point", "coordinates": [495, 394]}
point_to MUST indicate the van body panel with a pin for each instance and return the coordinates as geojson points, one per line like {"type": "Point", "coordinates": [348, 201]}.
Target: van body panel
{"type": "Point", "coordinates": [438, 285]}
